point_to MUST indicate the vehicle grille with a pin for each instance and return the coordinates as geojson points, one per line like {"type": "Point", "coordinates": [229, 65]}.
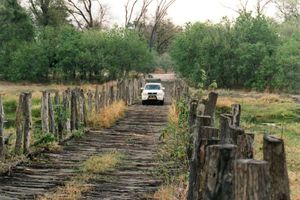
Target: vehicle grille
{"type": "Point", "coordinates": [152, 93]}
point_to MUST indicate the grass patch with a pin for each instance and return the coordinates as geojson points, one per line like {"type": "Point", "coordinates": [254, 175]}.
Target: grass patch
{"type": "Point", "coordinates": [107, 116]}
{"type": "Point", "coordinates": [176, 190]}
{"type": "Point", "coordinates": [90, 169]}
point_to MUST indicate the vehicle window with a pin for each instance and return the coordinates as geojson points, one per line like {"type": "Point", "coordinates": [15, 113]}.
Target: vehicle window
{"type": "Point", "coordinates": [152, 87]}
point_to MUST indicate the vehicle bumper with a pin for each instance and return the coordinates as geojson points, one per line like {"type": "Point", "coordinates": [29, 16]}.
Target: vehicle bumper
{"type": "Point", "coordinates": [158, 98]}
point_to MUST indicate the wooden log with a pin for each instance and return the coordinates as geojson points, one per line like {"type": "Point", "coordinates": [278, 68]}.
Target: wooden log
{"type": "Point", "coordinates": [225, 121]}
{"type": "Point", "coordinates": [210, 106]}
{"type": "Point", "coordinates": [74, 111]}
{"type": "Point", "coordinates": [57, 98]}
{"type": "Point", "coordinates": [27, 121]}
{"type": "Point", "coordinates": [251, 180]}
{"type": "Point", "coordinates": [195, 163]}
{"type": "Point", "coordinates": [112, 94]}
{"type": "Point", "coordinates": [51, 115]}
{"type": "Point", "coordinates": [245, 146]}
{"type": "Point", "coordinates": [84, 109]}
{"type": "Point", "coordinates": [45, 112]}
{"type": "Point", "coordinates": [274, 153]}
{"type": "Point", "coordinates": [219, 168]}
{"type": "Point", "coordinates": [236, 115]}
{"type": "Point", "coordinates": [19, 125]}
{"type": "Point", "coordinates": [2, 147]}
{"type": "Point", "coordinates": [192, 118]}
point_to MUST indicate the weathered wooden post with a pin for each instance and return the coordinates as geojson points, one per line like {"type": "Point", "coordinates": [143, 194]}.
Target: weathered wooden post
{"type": "Point", "coordinates": [274, 153]}
{"type": "Point", "coordinates": [45, 112]}
{"type": "Point", "coordinates": [195, 163]}
{"type": "Point", "coordinates": [83, 110]}
{"type": "Point", "coordinates": [19, 125]}
{"type": "Point", "coordinates": [51, 115]}
{"type": "Point", "coordinates": [27, 121]}
{"type": "Point", "coordinates": [67, 108]}
{"type": "Point", "coordinates": [251, 180]}
{"type": "Point", "coordinates": [97, 101]}
{"type": "Point", "coordinates": [225, 121]}
{"type": "Point", "coordinates": [111, 93]}
{"type": "Point", "coordinates": [193, 104]}
{"type": "Point", "coordinates": [89, 101]}
{"type": "Point", "coordinates": [245, 146]}
{"type": "Point", "coordinates": [219, 169]}
{"type": "Point", "coordinates": [236, 115]}
{"type": "Point", "coordinates": [2, 147]}
{"type": "Point", "coordinates": [210, 106]}
{"type": "Point", "coordinates": [56, 98]}
{"type": "Point", "coordinates": [74, 111]}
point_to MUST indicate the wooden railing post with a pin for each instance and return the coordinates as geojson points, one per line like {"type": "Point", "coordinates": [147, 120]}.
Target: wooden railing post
{"type": "Point", "coordinates": [51, 115]}
{"type": "Point", "coordinates": [210, 106]}
{"type": "Point", "coordinates": [251, 180]}
{"type": "Point", "coordinates": [2, 147]}
{"type": "Point", "coordinates": [274, 153]}
{"type": "Point", "coordinates": [19, 125]}
{"type": "Point", "coordinates": [27, 121]}
{"type": "Point", "coordinates": [45, 112]}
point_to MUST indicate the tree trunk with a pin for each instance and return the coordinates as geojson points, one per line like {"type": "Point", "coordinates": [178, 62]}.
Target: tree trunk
{"type": "Point", "coordinates": [27, 122]}
{"type": "Point", "coordinates": [45, 112]}
{"type": "Point", "coordinates": [219, 169]}
{"type": "Point", "coordinates": [19, 125]}
{"type": "Point", "coordinates": [210, 106]}
{"type": "Point", "coordinates": [274, 153]}
{"type": "Point", "coordinates": [251, 180]}
{"type": "Point", "coordinates": [2, 147]}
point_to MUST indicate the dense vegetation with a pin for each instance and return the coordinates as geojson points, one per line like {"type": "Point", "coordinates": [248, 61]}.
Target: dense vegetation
{"type": "Point", "coordinates": [253, 52]}
{"type": "Point", "coordinates": [43, 53]}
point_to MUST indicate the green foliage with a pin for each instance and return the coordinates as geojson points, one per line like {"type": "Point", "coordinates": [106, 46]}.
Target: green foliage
{"type": "Point", "coordinates": [63, 53]}
{"type": "Point", "coordinates": [248, 53]}
{"type": "Point", "coordinates": [45, 139]}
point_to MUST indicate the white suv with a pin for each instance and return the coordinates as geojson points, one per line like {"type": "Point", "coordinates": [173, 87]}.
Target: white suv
{"type": "Point", "coordinates": [153, 92]}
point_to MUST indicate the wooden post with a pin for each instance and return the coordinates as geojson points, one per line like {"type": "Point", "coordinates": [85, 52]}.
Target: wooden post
{"type": "Point", "coordinates": [235, 132]}
{"type": "Point", "coordinates": [251, 180]}
{"type": "Point", "coordinates": [219, 168]}
{"type": "Point", "coordinates": [236, 115]}
{"type": "Point", "coordinates": [74, 111]}
{"type": "Point", "coordinates": [45, 112]}
{"type": "Point", "coordinates": [112, 96]}
{"type": "Point", "coordinates": [19, 125]}
{"type": "Point", "coordinates": [195, 163]}
{"type": "Point", "coordinates": [225, 121]}
{"type": "Point", "coordinates": [84, 111]}
{"type": "Point", "coordinates": [27, 121]}
{"type": "Point", "coordinates": [2, 147]}
{"type": "Point", "coordinates": [274, 153]}
{"type": "Point", "coordinates": [97, 102]}
{"type": "Point", "coordinates": [67, 109]}
{"type": "Point", "coordinates": [245, 146]}
{"type": "Point", "coordinates": [56, 98]}
{"type": "Point", "coordinates": [210, 106]}
{"type": "Point", "coordinates": [90, 101]}
{"type": "Point", "coordinates": [192, 118]}
{"type": "Point", "coordinates": [51, 115]}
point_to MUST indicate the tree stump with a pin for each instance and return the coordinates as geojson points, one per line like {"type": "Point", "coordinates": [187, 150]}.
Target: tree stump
{"type": "Point", "coordinates": [251, 180]}
{"type": "Point", "coordinates": [236, 115]}
{"type": "Point", "coordinates": [274, 153]}
{"type": "Point", "coordinates": [45, 112]}
{"type": "Point", "coordinates": [27, 121]}
{"type": "Point", "coordinates": [210, 106]}
{"type": "Point", "coordinates": [225, 136]}
{"type": "Point", "coordinates": [19, 125]}
{"type": "Point", "coordinates": [2, 147]}
{"type": "Point", "coordinates": [219, 168]}
{"type": "Point", "coordinates": [235, 132]}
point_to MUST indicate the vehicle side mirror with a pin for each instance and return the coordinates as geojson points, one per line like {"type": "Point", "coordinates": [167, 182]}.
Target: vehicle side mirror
{"type": "Point", "coordinates": [163, 88]}
{"type": "Point", "coordinates": [142, 88]}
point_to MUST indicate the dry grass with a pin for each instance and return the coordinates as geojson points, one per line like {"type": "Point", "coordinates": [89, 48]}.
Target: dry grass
{"type": "Point", "coordinates": [91, 168]}
{"type": "Point", "coordinates": [107, 116]}
{"type": "Point", "coordinates": [175, 191]}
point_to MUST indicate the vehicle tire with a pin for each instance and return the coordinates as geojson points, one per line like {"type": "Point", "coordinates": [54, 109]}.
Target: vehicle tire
{"type": "Point", "coordinates": [162, 102]}
{"type": "Point", "coordinates": [143, 102]}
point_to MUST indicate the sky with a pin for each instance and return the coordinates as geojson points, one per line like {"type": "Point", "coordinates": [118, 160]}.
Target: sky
{"type": "Point", "coordinates": [183, 11]}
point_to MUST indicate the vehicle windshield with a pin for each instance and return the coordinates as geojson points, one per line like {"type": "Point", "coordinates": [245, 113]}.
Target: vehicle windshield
{"type": "Point", "coordinates": [152, 87]}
